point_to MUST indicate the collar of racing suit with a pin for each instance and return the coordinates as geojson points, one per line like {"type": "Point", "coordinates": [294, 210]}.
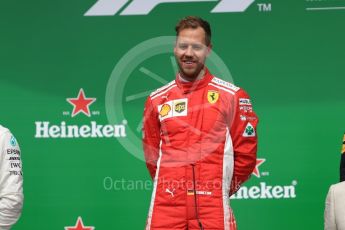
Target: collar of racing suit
{"type": "Point", "coordinates": [188, 87]}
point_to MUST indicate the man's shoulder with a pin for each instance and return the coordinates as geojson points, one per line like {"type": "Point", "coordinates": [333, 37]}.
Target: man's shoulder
{"type": "Point", "coordinates": [224, 85]}
{"type": "Point", "coordinates": [339, 187]}
{"type": "Point", "coordinates": [161, 90]}
{"type": "Point", "coordinates": [337, 192]}
{"type": "Point", "coordinates": [3, 130]}
{"type": "Point", "coordinates": [5, 135]}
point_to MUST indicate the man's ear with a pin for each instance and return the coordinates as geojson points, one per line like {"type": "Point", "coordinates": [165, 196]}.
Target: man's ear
{"type": "Point", "coordinates": [209, 49]}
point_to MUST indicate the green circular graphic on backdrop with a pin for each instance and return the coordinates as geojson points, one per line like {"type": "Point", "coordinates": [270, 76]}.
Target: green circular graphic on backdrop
{"type": "Point", "coordinates": [115, 91]}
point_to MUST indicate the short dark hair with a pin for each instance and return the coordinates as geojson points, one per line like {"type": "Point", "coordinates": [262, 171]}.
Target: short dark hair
{"type": "Point", "coordinates": [194, 22]}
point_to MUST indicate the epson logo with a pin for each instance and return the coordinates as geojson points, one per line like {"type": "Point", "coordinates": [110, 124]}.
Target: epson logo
{"type": "Point", "coordinates": [144, 7]}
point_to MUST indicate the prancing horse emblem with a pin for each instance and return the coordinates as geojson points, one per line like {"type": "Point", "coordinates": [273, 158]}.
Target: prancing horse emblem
{"type": "Point", "coordinates": [212, 96]}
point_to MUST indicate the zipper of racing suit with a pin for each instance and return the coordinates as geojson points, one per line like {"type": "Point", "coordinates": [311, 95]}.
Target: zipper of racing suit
{"type": "Point", "coordinates": [193, 166]}
{"type": "Point", "coordinates": [195, 201]}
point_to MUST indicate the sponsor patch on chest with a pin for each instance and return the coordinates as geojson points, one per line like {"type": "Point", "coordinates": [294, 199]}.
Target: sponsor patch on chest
{"type": "Point", "coordinates": [212, 96]}
{"type": "Point", "coordinates": [173, 108]}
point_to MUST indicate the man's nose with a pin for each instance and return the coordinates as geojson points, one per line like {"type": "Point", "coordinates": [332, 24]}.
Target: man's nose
{"type": "Point", "coordinates": [189, 51]}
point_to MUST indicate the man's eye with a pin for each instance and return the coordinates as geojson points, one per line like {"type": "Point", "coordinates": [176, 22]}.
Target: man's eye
{"type": "Point", "coordinates": [197, 47]}
{"type": "Point", "coordinates": [183, 46]}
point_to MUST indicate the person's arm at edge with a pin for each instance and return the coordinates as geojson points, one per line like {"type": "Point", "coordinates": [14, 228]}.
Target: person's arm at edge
{"type": "Point", "coordinates": [245, 148]}
{"type": "Point", "coordinates": [151, 137]}
{"type": "Point", "coordinates": [329, 211]}
{"type": "Point", "coordinates": [11, 185]}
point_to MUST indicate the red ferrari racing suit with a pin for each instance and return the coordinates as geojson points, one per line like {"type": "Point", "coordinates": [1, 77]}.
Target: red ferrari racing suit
{"type": "Point", "coordinates": [200, 145]}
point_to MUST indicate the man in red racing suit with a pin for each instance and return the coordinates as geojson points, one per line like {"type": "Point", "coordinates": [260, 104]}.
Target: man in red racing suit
{"type": "Point", "coordinates": [200, 144]}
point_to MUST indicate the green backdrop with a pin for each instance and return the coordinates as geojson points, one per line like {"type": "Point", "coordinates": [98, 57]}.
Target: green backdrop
{"type": "Point", "coordinates": [288, 55]}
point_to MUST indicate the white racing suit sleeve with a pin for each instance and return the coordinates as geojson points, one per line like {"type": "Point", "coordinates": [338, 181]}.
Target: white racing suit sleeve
{"type": "Point", "coordinates": [11, 181]}
{"type": "Point", "coordinates": [329, 215]}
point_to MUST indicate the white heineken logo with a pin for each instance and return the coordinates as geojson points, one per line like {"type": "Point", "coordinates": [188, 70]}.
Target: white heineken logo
{"type": "Point", "coordinates": [265, 191]}
{"type": "Point", "coordinates": [81, 105]}
{"type": "Point", "coordinates": [93, 130]}
{"type": "Point", "coordinates": [141, 7]}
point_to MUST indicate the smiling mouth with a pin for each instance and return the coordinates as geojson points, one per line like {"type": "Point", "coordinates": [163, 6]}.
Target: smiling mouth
{"type": "Point", "coordinates": [189, 62]}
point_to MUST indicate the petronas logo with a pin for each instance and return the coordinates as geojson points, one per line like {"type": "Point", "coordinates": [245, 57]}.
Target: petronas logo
{"type": "Point", "coordinates": [13, 141]}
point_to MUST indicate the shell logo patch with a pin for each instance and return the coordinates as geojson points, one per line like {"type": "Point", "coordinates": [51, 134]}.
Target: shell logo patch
{"type": "Point", "coordinates": [164, 111]}
{"type": "Point", "coordinates": [173, 108]}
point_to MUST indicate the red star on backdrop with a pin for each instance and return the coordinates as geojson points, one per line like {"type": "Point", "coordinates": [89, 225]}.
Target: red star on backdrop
{"type": "Point", "coordinates": [79, 226]}
{"type": "Point", "coordinates": [81, 104]}
{"type": "Point", "coordinates": [256, 170]}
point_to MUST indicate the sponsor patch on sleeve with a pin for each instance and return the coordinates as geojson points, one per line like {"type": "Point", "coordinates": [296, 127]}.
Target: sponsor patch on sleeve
{"type": "Point", "coordinates": [246, 108]}
{"type": "Point", "coordinates": [14, 161]}
{"type": "Point", "coordinates": [225, 84]}
{"type": "Point", "coordinates": [249, 131]}
{"type": "Point", "coordinates": [244, 101]}
{"type": "Point", "coordinates": [13, 141]}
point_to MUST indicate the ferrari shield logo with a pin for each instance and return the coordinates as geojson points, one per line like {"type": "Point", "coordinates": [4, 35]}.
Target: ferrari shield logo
{"type": "Point", "coordinates": [212, 96]}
